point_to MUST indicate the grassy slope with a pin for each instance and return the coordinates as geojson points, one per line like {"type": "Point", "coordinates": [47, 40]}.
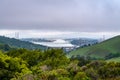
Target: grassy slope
{"type": "Point", "coordinates": [114, 59]}
{"type": "Point", "coordinates": [99, 50]}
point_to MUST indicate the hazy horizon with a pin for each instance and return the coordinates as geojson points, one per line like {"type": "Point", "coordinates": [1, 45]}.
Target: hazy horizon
{"type": "Point", "coordinates": [60, 18]}
{"type": "Point", "coordinates": [56, 34]}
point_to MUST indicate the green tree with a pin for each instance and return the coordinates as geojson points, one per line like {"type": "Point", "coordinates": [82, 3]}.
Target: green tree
{"type": "Point", "coordinates": [81, 76]}
{"type": "Point", "coordinates": [12, 67]}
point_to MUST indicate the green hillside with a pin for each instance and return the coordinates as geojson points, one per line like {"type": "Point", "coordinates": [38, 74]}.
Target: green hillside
{"type": "Point", "coordinates": [5, 47]}
{"type": "Point", "coordinates": [12, 42]}
{"type": "Point", "coordinates": [114, 59]}
{"type": "Point", "coordinates": [101, 50]}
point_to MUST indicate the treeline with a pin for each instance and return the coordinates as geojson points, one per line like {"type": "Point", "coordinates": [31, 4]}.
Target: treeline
{"type": "Point", "coordinates": [112, 55]}
{"type": "Point", "coordinates": [52, 64]}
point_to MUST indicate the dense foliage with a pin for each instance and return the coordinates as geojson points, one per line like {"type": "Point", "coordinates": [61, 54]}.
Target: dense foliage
{"type": "Point", "coordinates": [52, 64]}
{"type": "Point", "coordinates": [5, 47]}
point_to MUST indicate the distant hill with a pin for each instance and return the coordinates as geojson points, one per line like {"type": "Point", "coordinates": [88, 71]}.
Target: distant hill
{"type": "Point", "coordinates": [101, 50]}
{"type": "Point", "coordinates": [83, 41]}
{"type": "Point", "coordinates": [5, 47]}
{"type": "Point", "coordinates": [15, 43]}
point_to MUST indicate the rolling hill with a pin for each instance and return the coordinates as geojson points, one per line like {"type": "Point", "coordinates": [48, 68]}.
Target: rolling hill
{"type": "Point", "coordinates": [117, 59]}
{"type": "Point", "coordinates": [101, 50]}
{"type": "Point", "coordinates": [15, 43]}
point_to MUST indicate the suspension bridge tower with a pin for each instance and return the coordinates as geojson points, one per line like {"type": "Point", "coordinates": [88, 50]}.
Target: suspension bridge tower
{"type": "Point", "coordinates": [17, 35]}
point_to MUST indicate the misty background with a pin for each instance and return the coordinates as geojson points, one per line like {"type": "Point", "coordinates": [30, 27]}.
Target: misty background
{"type": "Point", "coordinates": [47, 18]}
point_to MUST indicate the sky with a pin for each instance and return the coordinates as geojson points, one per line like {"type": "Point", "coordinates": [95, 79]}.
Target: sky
{"type": "Point", "coordinates": [48, 18]}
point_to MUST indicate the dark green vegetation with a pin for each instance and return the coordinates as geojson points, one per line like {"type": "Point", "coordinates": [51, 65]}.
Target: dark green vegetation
{"type": "Point", "coordinates": [5, 47]}
{"type": "Point", "coordinates": [52, 64]}
{"type": "Point", "coordinates": [105, 50]}
{"type": "Point", "coordinates": [18, 43]}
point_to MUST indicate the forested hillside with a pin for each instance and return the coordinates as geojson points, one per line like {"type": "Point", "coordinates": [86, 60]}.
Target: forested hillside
{"type": "Point", "coordinates": [5, 47]}
{"type": "Point", "coordinates": [52, 64]}
{"type": "Point", "coordinates": [19, 44]}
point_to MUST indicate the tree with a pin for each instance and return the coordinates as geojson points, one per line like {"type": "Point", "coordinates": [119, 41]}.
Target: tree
{"type": "Point", "coordinates": [81, 76]}
{"type": "Point", "coordinates": [12, 67]}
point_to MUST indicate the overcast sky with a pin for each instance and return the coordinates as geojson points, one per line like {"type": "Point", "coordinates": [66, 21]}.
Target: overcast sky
{"type": "Point", "coordinates": [60, 15]}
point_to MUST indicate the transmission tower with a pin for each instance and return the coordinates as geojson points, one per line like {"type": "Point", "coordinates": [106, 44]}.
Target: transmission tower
{"type": "Point", "coordinates": [17, 35]}
{"type": "Point", "coordinates": [103, 37]}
